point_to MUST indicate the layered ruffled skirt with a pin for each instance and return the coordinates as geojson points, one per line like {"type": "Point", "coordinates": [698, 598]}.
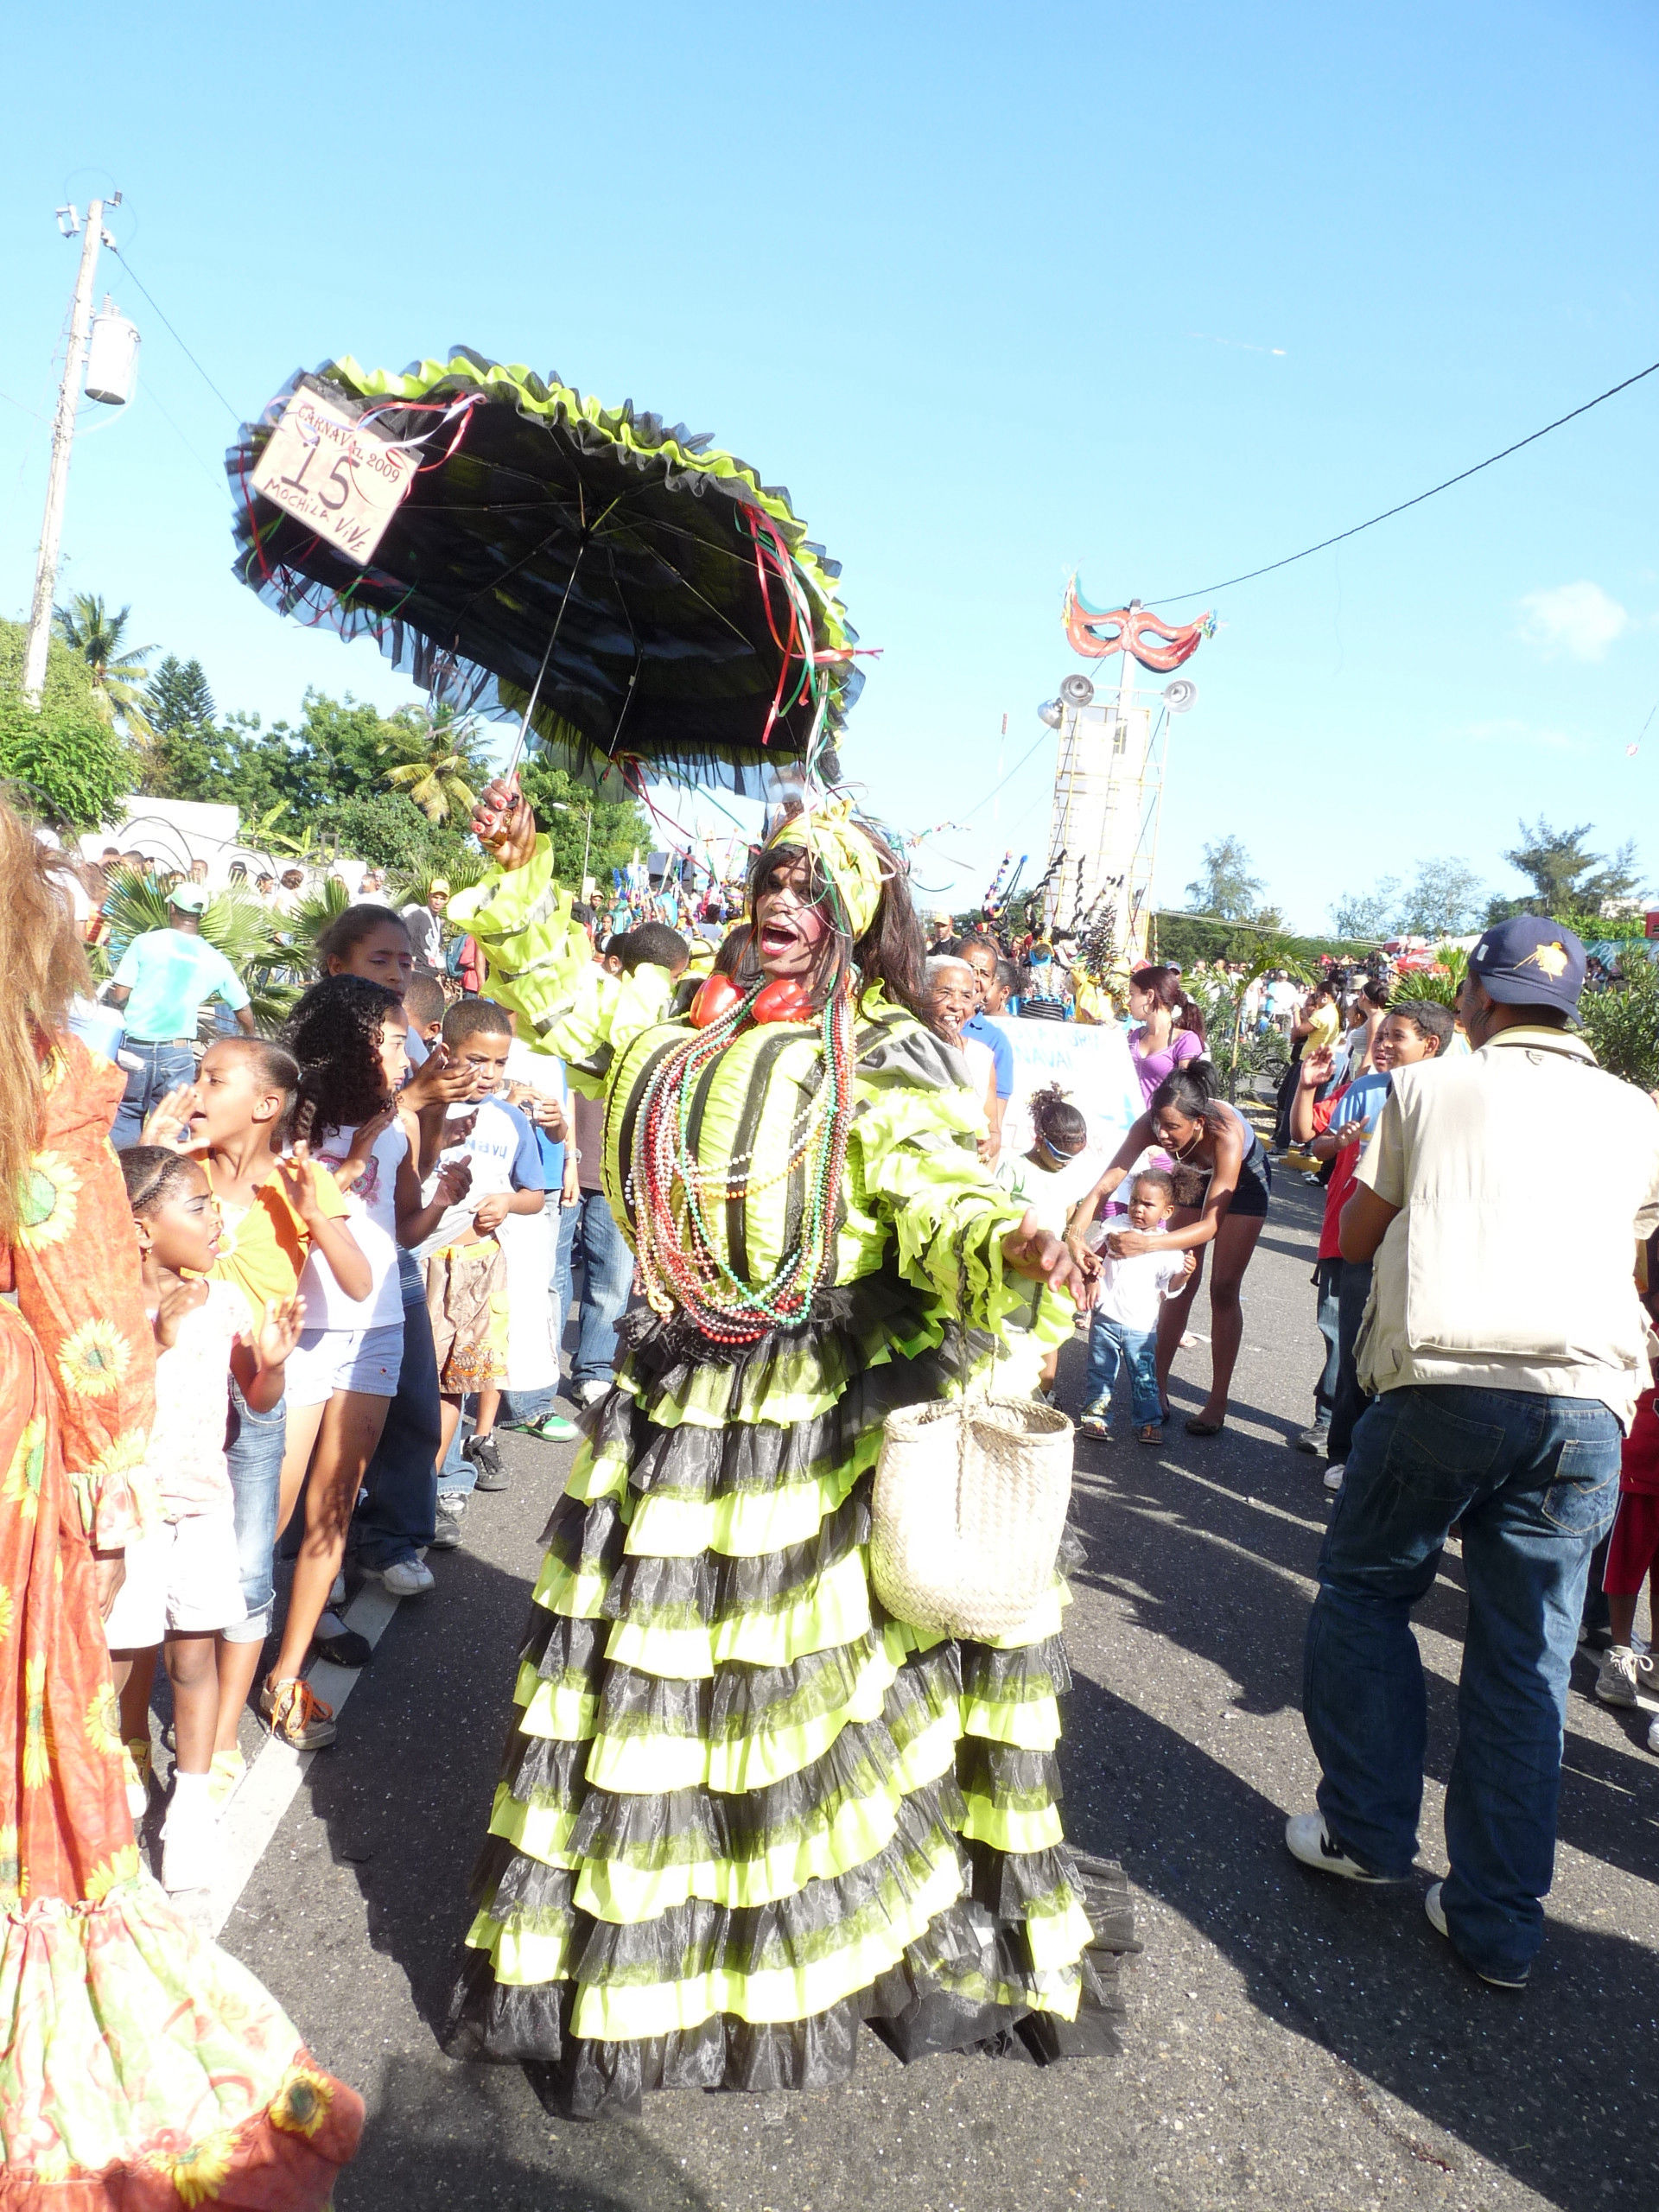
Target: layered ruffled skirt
{"type": "Point", "coordinates": [742, 1809]}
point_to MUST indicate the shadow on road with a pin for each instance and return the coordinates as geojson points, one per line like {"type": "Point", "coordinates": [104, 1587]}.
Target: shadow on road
{"type": "Point", "coordinates": [411, 2159]}
{"type": "Point", "coordinates": [1554, 2086]}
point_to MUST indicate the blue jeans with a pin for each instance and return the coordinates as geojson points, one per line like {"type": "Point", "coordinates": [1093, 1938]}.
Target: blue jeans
{"type": "Point", "coordinates": [1327, 1278]}
{"type": "Point", "coordinates": [1349, 1401]}
{"type": "Point", "coordinates": [162, 1068]}
{"type": "Point", "coordinates": [402, 1479]}
{"type": "Point", "coordinates": [253, 1453]}
{"type": "Point", "coordinates": [564, 1285]}
{"type": "Point", "coordinates": [1110, 1345]}
{"type": "Point", "coordinates": [1534, 1481]}
{"type": "Point", "coordinates": [607, 1278]}
{"type": "Point", "coordinates": [458, 1476]}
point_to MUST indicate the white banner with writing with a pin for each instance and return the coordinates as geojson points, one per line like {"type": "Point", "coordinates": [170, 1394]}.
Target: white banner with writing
{"type": "Point", "coordinates": [1090, 1063]}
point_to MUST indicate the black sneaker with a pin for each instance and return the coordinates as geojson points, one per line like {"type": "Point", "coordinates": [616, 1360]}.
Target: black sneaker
{"type": "Point", "coordinates": [485, 1455]}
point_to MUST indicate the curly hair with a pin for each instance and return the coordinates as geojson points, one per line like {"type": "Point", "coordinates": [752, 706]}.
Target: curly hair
{"type": "Point", "coordinates": [334, 1034]}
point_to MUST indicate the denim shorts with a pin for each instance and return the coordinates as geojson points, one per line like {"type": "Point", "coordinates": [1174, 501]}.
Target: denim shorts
{"type": "Point", "coordinates": [327, 1360]}
{"type": "Point", "coordinates": [253, 1453]}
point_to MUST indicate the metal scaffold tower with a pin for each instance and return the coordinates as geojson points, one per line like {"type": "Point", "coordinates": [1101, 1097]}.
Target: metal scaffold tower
{"type": "Point", "coordinates": [1108, 778]}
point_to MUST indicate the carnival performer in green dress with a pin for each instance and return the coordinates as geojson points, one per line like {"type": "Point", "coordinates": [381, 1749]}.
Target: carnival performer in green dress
{"type": "Point", "coordinates": [742, 1808]}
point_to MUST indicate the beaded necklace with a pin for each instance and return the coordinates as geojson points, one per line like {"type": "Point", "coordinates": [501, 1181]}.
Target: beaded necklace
{"type": "Point", "coordinates": [671, 1191]}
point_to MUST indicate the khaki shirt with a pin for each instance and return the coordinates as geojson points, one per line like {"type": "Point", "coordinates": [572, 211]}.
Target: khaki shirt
{"type": "Point", "coordinates": [1521, 1172]}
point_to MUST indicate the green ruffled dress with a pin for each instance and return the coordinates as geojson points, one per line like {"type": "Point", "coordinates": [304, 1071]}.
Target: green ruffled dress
{"type": "Point", "coordinates": [742, 1808]}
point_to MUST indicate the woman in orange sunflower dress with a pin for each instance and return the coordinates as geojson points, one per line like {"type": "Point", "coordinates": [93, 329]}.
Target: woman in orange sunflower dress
{"type": "Point", "coordinates": [141, 2069]}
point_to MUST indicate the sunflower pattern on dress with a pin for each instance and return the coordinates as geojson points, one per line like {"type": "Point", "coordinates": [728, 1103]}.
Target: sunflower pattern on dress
{"type": "Point", "coordinates": [742, 1810]}
{"type": "Point", "coordinates": [142, 2067]}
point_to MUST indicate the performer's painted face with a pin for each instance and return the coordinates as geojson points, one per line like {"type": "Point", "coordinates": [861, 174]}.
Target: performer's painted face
{"type": "Point", "coordinates": [790, 928]}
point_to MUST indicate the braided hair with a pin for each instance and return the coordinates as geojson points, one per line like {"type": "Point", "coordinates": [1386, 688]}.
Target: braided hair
{"type": "Point", "coordinates": [334, 1034]}
{"type": "Point", "coordinates": [154, 1174]}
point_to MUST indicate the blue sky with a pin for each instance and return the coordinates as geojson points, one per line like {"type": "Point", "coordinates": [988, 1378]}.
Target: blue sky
{"type": "Point", "coordinates": [997, 293]}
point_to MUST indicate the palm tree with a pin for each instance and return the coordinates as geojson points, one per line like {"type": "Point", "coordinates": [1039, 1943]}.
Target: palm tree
{"type": "Point", "coordinates": [265, 837]}
{"type": "Point", "coordinates": [445, 755]}
{"type": "Point", "coordinates": [235, 924]}
{"type": "Point", "coordinates": [118, 672]}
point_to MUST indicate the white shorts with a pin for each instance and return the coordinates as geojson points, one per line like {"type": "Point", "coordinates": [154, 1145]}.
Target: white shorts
{"type": "Point", "coordinates": [185, 1578]}
{"type": "Point", "coordinates": [327, 1360]}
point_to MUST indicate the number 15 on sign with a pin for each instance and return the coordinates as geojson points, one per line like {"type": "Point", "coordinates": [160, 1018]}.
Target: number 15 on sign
{"type": "Point", "coordinates": [342, 480]}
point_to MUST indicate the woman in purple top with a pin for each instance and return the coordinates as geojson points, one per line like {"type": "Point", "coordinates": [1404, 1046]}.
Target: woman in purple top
{"type": "Point", "coordinates": [1169, 1027]}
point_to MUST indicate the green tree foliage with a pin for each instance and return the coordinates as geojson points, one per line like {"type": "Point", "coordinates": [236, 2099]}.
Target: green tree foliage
{"type": "Point", "coordinates": [68, 763]}
{"type": "Point", "coordinates": [1442, 899]}
{"type": "Point", "coordinates": [385, 829]}
{"type": "Point", "coordinates": [117, 670]}
{"type": "Point", "coordinates": [1226, 887]}
{"type": "Point", "coordinates": [1367, 913]}
{"type": "Point", "coordinates": [1566, 878]}
{"type": "Point", "coordinates": [178, 696]}
{"type": "Point", "coordinates": [180, 759]}
{"type": "Point", "coordinates": [442, 767]}
{"type": "Point", "coordinates": [1622, 1025]}
{"type": "Point", "coordinates": [620, 828]}
{"type": "Point", "coordinates": [1188, 939]}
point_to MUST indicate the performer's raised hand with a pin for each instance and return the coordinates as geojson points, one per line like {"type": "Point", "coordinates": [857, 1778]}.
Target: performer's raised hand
{"type": "Point", "coordinates": [504, 823]}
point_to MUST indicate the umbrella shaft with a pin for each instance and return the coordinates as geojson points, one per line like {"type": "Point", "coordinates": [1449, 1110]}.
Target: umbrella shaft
{"type": "Point", "coordinates": [536, 690]}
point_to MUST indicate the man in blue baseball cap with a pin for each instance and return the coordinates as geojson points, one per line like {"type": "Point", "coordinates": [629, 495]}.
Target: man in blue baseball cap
{"type": "Point", "coordinates": [1505, 1349]}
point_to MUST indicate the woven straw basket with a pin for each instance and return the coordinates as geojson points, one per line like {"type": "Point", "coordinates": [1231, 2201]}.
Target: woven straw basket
{"type": "Point", "coordinates": [970, 1502]}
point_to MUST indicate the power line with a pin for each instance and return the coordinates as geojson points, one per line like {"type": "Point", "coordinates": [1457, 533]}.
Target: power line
{"type": "Point", "coordinates": [1010, 778]}
{"type": "Point", "coordinates": [1171, 597]}
{"type": "Point", "coordinates": [234, 413]}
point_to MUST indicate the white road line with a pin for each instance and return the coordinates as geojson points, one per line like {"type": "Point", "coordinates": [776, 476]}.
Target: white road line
{"type": "Point", "coordinates": [254, 1814]}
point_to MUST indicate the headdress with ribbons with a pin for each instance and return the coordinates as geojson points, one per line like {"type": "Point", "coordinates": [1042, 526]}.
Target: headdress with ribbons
{"type": "Point", "coordinates": [830, 833]}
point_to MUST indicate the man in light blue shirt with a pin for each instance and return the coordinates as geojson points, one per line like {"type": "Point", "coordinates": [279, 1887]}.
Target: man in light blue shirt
{"type": "Point", "coordinates": [163, 979]}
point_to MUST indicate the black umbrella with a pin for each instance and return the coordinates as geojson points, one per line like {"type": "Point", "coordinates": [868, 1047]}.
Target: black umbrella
{"type": "Point", "coordinates": [652, 605]}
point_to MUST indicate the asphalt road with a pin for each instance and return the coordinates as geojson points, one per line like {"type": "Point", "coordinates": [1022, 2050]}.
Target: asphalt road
{"type": "Point", "coordinates": [1291, 2042]}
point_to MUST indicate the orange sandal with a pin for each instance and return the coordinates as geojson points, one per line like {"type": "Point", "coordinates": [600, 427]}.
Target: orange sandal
{"type": "Point", "coordinates": [296, 1715]}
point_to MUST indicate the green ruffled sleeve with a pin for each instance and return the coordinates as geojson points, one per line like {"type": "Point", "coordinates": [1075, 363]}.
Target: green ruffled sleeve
{"type": "Point", "coordinates": [913, 1154]}
{"type": "Point", "coordinates": [542, 966]}
{"type": "Point", "coordinates": [522, 922]}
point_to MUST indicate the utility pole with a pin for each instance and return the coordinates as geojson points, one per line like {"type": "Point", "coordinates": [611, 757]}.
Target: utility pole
{"type": "Point", "coordinates": [63, 437]}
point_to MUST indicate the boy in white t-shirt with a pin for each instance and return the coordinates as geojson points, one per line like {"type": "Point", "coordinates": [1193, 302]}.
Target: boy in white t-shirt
{"type": "Point", "coordinates": [1129, 1295]}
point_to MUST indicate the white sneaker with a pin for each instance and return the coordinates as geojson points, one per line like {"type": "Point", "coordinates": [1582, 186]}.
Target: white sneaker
{"type": "Point", "coordinates": [1622, 1673]}
{"type": "Point", "coordinates": [190, 1848]}
{"type": "Point", "coordinates": [1436, 1912]}
{"type": "Point", "coordinates": [1333, 1475]}
{"type": "Point", "coordinates": [1309, 1840]}
{"type": "Point", "coordinates": [407, 1577]}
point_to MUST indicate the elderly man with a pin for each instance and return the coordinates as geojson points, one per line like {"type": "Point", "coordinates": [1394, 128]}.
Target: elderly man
{"type": "Point", "coordinates": [1506, 1349]}
{"type": "Point", "coordinates": [982, 955]}
{"type": "Point", "coordinates": [163, 979]}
